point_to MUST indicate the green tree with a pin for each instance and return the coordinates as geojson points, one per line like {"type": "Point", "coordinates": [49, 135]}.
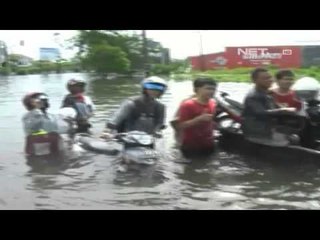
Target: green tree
{"type": "Point", "coordinates": [105, 59]}
{"type": "Point", "coordinates": [130, 44]}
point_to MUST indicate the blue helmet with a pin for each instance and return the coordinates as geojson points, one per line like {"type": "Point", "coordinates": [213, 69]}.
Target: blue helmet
{"type": "Point", "coordinates": [154, 83]}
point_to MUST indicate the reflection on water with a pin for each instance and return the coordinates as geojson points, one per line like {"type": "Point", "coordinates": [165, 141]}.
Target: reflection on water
{"type": "Point", "coordinates": [91, 181]}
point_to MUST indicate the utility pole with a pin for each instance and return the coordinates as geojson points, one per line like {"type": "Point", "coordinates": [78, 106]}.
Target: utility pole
{"type": "Point", "coordinates": [202, 63]}
{"type": "Point", "coordinates": [145, 53]}
{"type": "Point", "coordinates": [57, 41]}
{"type": "Point", "coordinates": [3, 53]}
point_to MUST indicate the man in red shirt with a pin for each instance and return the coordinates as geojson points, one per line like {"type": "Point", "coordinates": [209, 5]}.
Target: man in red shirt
{"type": "Point", "coordinates": [283, 95]}
{"type": "Point", "coordinates": [195, 119]}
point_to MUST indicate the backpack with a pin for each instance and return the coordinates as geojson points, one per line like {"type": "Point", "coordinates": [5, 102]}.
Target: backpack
{"type": "Point", "coordinates": [81, 108]}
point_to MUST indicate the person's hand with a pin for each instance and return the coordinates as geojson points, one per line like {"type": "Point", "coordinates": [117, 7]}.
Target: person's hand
{"type": "Point", "coordinates": [106, 136]}
{"type": "Point", "coordinates": [289, 109]}
{"type": "Point", "coordinates": [206, 117]}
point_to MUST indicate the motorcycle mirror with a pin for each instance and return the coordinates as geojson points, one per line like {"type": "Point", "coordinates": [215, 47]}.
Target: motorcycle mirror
{"type": "Point", "coordinates": [224, 94]}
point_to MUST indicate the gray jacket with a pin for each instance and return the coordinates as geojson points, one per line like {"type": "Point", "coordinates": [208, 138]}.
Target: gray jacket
{"type": "Point", "coordinates": [35, 120]}
{"type": "Point", "coordinates": [256, 119]}
{"type": "Point", "coordinates": [139, 114]}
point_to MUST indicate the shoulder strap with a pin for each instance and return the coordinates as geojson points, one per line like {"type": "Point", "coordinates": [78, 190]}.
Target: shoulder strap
{"type": "Point", "coordinates": [139, 107]}
{"type": "Point", "coordinates": [157, 109]}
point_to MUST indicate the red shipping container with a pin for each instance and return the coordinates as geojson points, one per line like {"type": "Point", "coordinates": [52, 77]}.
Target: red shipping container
{"type": "Point", "coordinates": [280, 56]}
{"type": "Point", "coordinates": [208, 61]}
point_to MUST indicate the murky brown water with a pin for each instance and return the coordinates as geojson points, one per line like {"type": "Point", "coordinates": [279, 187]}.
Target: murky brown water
{"type": "Point", "coordinates": [225, 181]}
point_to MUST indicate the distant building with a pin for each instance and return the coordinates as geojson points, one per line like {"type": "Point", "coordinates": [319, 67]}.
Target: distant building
{"type": "Point", "coordinates": [255, 56]}
{"type": "Point", "coordinates": [20, 60]}
{"type": "Point", "coordinates": [209, 61]}
{"type": "Point", "coordinates": [49, 54]}
{"type": "Point", "coordinates": [25, 60]}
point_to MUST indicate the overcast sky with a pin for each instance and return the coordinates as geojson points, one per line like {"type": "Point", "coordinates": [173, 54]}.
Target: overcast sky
{"type": "Point", "coordinates": [182, 43]}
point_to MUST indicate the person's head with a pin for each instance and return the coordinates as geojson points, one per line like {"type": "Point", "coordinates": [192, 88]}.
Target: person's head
{"type": "Point", "coordinates": [36, 99]}
{"type": "Point", "coordinates": [261, 78]}
{"type": "Point", "coordinates": [285, 79]}
{"type": "Point", "coordinates": [75, 86]}
{"type": "Point", "coordinates": [154, 86]}
{"type": "Point", "coordinates": [204, 87]}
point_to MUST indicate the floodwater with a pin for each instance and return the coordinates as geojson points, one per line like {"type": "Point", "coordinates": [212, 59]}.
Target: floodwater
{"type": "Point", "coordinates": [91, 181]}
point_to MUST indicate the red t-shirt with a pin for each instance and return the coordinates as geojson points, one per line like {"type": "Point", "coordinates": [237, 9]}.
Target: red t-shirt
{"type": "Point", "coordinates": [287, 100]}
{"type": "Point", "coordinates": [199, 136]}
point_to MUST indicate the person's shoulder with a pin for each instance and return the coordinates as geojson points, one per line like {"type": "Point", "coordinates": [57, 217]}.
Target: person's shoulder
{"type": "Point", "coordinates": [32, 112]}
{"type": "Point", "coordinates": [157, 102]}
{"type": "Point", "coordinates": [255, 95]}
{"type": "Point", "coordinates": [251, 93]}
{"type": "Point", "coordinates": [25, 115]}
{"type": "Point", "coordinates": [273, 90]}
{"type": "Point", "coordinates": [188, 102]}
{"type": "Point", "coordinates": [68, 95]}
{"type": "Point", "coordinates": [135, 98]}
{"type": "Point", "coordinates": [128, 102]}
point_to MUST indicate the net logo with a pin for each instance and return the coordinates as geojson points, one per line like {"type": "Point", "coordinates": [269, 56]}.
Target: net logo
{"type": "Point", "coordinates": [257, 53]}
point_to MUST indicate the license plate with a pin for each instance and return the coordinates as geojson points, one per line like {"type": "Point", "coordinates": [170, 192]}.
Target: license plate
{"type": "Point", "coordinates": [41, 149]}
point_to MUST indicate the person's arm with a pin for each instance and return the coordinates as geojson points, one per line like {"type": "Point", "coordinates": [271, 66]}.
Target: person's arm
{"type": "Point", "coordinates": [33, 121]}
{"type": "Point", "coordinates": [160, 121]}
{"type": "Point", "coordinates": [297, 103]}
{"type": "Point", "coordinates": [90, 104]}
{"type": "Point", "coordinates": [175, 122]}
{"type": "Point", "coordinates": [285, 110]}
{"type": "Point", "coordinates": [66, 102]}
{"type": "Point", "coordinates": [256, 106]}
{"type": "Point", "coordinates": [120, 115]}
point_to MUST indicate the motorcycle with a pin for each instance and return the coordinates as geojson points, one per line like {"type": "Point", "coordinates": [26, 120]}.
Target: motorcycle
{"type": "Point", "coordinates": [229, 118]}
{"type": "Point", "coordinates": [138, 148]}
{"type": "Point", "coordinates": [228, 113]}
{"type": "Point", "coordinates": [132, 147]}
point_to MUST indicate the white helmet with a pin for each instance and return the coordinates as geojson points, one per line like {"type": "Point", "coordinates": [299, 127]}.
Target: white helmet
{"type": "Point", "coordinates": [154, 83]}
{"type": "Point", "coordinates": [306, 84]}
{"type": "Point", "coordinates": [307, 88]}
{"type": "Point", "coordinates": [67, 113]}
